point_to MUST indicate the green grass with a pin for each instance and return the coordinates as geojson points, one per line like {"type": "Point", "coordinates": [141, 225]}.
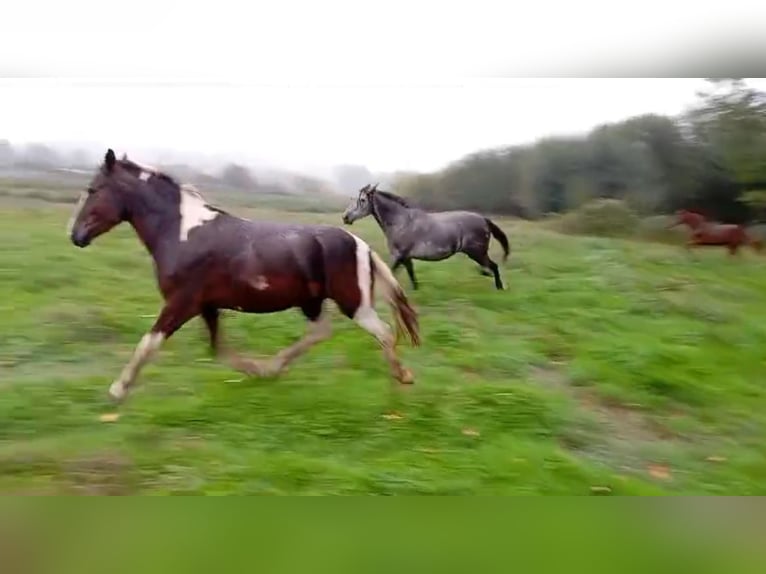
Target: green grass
{"type": "Point", "coordinates": [625, 366]}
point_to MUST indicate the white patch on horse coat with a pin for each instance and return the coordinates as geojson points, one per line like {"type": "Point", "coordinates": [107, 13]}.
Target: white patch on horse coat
{"type": "Point", "coordinates": [145, 175]}
{"type": "Point", "coordinates": [363, 273]}
{"type": "Point", "coordinates": [77, 208]}
{"type": "Point", "coordinates": [261, 283]}
{"type": "Point", "coordinates": [194, 212]}
{"type": "Point", "coordinates": [365, 315]}
{"type": "Point", "coordinates": [368, 319]}
{"type": "Point", "coordinates": [146, 347]}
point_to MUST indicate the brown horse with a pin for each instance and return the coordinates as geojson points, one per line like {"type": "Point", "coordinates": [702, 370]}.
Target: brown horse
{"type": "Point", "coordinates": [206, 260]}
{"type": "Point", "coordinates": [706, 233]}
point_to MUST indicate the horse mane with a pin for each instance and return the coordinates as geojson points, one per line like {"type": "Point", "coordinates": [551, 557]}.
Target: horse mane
{"type": "Point", "coordinates": [142, 168]}
{"type": "Point", "coordinates": [187, 187]}
{"type": "Point", "coordinates": [395, 198]}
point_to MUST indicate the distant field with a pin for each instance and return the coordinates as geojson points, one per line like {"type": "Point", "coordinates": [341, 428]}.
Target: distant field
{"type": "Point", "coordinates": [607, 367]}
{"type": "Point", "coordinates": [66, 191]}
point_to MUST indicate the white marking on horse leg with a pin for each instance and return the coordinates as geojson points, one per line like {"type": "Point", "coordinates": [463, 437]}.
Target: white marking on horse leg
{"type": "Point", "coordinates": [146, 348]}
{"type": "Point", "coordinates": [365, 314]}
{"type": "Point", "coordinates": [368, 319]}
{"type": "Point", "coordinates": [194, 212]}
{"type": "Point", "coordinates": [77, 208]}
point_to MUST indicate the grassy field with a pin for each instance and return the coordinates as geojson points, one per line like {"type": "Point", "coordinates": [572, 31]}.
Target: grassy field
{"type": "Point", "coordinates": [607, 367]}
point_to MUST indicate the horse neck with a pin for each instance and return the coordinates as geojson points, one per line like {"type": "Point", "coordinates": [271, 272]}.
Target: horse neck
{"type": "Point", "coordinates": [696, 222]}
{"type": "Point", "coordinates": [156, 221]}
{"type": "Point", "coordinates": [388, 213]}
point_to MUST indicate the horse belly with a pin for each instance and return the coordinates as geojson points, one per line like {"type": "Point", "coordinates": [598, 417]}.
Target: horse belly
{"type": "Point", "coordinates": [714, 239]}
{"type": "Point", "coordinates": [270, 293]}
{"type": "Point", "coordinates": [433, 249]}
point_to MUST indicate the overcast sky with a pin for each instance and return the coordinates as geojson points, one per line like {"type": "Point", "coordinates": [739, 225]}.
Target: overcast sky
{"type": "Point", "coordinates": [306, 84]}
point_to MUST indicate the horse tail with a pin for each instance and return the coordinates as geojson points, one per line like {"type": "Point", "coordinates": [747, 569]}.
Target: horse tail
{"type": "Point", "coordinates": [498, 234]}
{"type": "Point", "coordinates": [404, 314]}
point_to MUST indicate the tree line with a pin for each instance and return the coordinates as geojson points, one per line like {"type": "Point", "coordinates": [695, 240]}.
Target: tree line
{"type": "Point", "coordinates": [711, 158]}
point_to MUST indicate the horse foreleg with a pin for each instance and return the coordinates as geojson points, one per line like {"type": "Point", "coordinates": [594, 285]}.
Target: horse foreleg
{"type": "Point", "coordinates": [211, 316]}
{"type": "Point", "coordinates": [691, 243]}
{"type": "Point", "coordinates": [407, 262]}
{"type": "Point", "coordinates": [411, 272]}
{"type": "Point", "coordinates": [172, 317]}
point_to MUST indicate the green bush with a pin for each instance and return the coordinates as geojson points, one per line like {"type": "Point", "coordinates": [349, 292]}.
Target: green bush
{"type": "Point", "coordinates": [602, 217]}
{"type": "Point", "coordinates": [656, 228]}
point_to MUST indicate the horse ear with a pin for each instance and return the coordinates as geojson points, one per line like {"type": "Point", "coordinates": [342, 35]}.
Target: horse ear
{"type": "Point", "coordinates": [110, 159]}
{"type": "Point", "coordinates": [374, 187]}
{"type": "Point", "coordinates": [124, 157]}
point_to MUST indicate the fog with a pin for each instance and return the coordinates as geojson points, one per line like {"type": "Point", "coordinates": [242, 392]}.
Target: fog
{"type": "Point", "coordinates": [311, 128]}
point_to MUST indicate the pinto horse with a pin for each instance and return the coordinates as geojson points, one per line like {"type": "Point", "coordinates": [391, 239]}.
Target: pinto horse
{"type": "Point", "coordinates": [206, 259]}
{"type": "Point", "coordinates": [705, 233]}
{"type": "Point", "coordinates": [413, 233]}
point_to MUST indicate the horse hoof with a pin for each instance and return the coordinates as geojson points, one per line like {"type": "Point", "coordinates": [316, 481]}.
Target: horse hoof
{"type": "Point", "coordinates": [261, 370]}
{"type": "Point", "coordinates": [117, 392]}
{"type": "Point", "coordinates": [271, 372]}
{"type": "Point", "coordinates": [406, 378]}
{"type": "Point", "coordinates": [249, 367]}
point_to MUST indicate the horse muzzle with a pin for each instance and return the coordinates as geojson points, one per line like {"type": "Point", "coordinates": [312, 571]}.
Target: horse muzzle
{"type": "Point", "coordinates": [80, 238]}
{"type": "Point", "coordinates": [347, 220]}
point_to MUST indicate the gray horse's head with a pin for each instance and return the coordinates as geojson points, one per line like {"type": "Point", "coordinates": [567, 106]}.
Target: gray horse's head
{"type": "Point", "coordinates": [361, 206]}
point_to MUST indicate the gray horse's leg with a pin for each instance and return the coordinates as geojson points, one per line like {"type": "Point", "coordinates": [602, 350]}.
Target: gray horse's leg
{"type": "Point", "coordinates": [411, 272]}
{"type": "Point", "coordinates": [407, 262]}
{"type": "Point", "coordinates": [484, 260]}
{"type": "Point", "coordinates": [496, 272]}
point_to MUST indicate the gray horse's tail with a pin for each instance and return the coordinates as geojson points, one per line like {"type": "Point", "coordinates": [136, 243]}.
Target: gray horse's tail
{"type": "Point", "coordinates": [502, 239]}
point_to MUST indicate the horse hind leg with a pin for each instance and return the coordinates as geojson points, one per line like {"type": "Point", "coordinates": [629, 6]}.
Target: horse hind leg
{"type": "Point", "coordinates": [355, 300]}
{"type": "Point", "coordinates": [211, 316]}
{"type": "Point", "coordinates": [367, 318]}
{"type": "Point", "coordinates": [488, 267]}
{"type": "Point", "coordinates": [496, 272]}
{"type": "Point", "coordinates": [319, 330]}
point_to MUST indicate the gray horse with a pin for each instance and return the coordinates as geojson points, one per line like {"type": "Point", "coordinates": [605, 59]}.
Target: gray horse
{"type": "Point", "coordinates": [413, 233]}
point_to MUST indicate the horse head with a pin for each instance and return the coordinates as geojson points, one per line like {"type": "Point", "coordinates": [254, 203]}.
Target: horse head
{"type": "Point", "coordinates": [100, 207]}
{"type": "Point", "coordinates": [361, 206]}
{"type": "Point", "coordinates": [687, 217]}
{"type": "Point", "coordinates": [107, 200]}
